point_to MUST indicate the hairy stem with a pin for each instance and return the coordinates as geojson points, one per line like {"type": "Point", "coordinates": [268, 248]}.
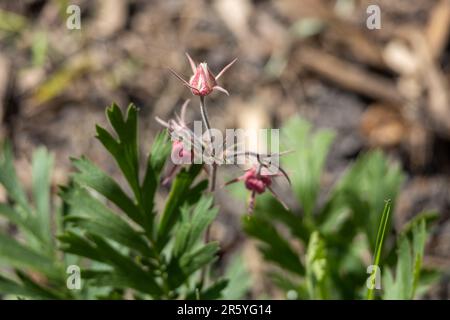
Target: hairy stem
{"type": "Point", "coordinates": [212, 177]}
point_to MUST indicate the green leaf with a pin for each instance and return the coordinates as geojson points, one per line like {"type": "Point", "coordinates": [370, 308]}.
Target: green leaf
{"type": "Point", "coordinates": [155, 163]}
{"type": "Point", "coordinates": [94, 217]}
{"type": "Point", "coordinates": [316, 267]}
{"type": "Point", "coordinates": [9, 287]}
{"type": "Point", "coordinates": [340, 210]}
{"type": "Point", "coordinates": [182, 233]}
{"type": "Point", "coordinates": [27, 224]}
{"type": "Point", "coordinates": [274, 247]}
{"type": "Point", "coordinates": [389, 285]}
{"type": "Point", "coordinates": [126, 268]}
{"type": "Point", "coordinates": [271, 210]}
{"type": "Point", "coordinates": [105, 278]}
{"type": "Point", "coordinates": [379, 244]}
{"type": "Point", "coordinates": [125, 149]}
{"type": "Point", "coordinates": [41, 167]}
{"type": "Point", "coordinates": [200, 257]}
{"type": "Point", "coordinates": [427, 279]}
{"type": "Point", "coordinates": [179, 194]}
{"type": "Point", "coordinates": [290, 285]}
{"type": "Point", "coordinates": [37, 289]}
{"type": "Point", "coordinates": [409, 262]}
{"type": "Point", "coordinates": [91, 176]}
{"type": "Point", "coordinates": [17, 255]}
{"type": "Point", "coordinates": [160, 151]}
{"type": "Point", "coordinates": [306, 162]}
{"type": "Point", "coordinates": [27, 288]}
{"type": "Point", "coordinates": [419, 238]}
{"type": "Point", "coordinates": [202, 217]}
{"type": "Point", "coordinates": [190, 230]}
{"type": "Point", "coordinates": [180, 269]}
{"type": "Point", "coordinates": [239, 279]}
{"type": "Point", "coordinates": [76, 244]}
{"type": "Point", "coordinates": [417, 228]}
{"type": "Point", "coordinates": [213, 292]}
{"type": "Point", "coordinates": [370, 181]}
{"type": "Point", "coordinates": [8, 178]}
{"type": "Point", "coordinates": [404, 273]}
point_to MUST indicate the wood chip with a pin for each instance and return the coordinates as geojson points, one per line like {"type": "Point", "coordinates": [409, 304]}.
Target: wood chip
{"type": "Point", "coordinates": [438, 28]}
{"type": "Point", "coordinates": [383, 126]}
{"type": "Point", "coordinates": [350, 76]}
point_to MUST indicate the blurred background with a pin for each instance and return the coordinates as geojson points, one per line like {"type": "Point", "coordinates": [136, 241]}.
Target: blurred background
{"type": "Point", "coordinates": [386, 88]}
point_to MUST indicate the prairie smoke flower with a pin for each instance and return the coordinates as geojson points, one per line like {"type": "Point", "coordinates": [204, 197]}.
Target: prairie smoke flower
{"type": "Point", "coordinates": [181, 154]}
{"type": "Point", "coordinates": [178, 125]}
{"type": "Point", "coordinates": [203, 81]}
{"type": "Point", "coordinates": [257, 179]}
{"type": "Point", "coordinates": [183, 142]}
{"type": "Point", "coordinates": [255, 182]}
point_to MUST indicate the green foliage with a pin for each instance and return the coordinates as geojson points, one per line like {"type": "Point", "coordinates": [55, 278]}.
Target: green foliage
{"type": "Point", "coordinates": [310, 154]}
{"type": "Point", "coordinates": [37, 268]}
{"type": "Point", "coordinates": [132, 245]}
{"type": "Point", "coordinates": [127, 244]}
{"type": "Point", "coordinates": [239, 281]}
{"type": "Point", "coordinates": [319, 248]}
{"type": "Point", "coordinates": [316, 267]}
{"type": "Point", "coordinates": [379, 245]}
{"type": "Point", "coordinates": [274, 247]}
{"type": "Point", "coordinates": [409, 263]}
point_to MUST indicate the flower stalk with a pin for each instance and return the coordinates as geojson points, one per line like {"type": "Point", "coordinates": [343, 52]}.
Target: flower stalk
{"type": "Point", "coordinates": [205, 118]}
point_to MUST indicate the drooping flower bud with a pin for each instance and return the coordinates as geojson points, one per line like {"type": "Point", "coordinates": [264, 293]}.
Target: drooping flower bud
{"type": "Point", "coordinates": [203, 81]}
{"type": "Point", "coordinates": [182, 142]}
{"type": "Point", "coordinates": [257, 181]}
{"type": "Point", "coordinates": [180, 154]}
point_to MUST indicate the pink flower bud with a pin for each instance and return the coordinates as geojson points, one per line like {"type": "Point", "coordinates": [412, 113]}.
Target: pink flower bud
{"type": "Point", "coordinates": [179, 156]}
{"type": "Point", "coordinates": [179, 153]}
{"type": "Point", "coordinates": [182, 153]}
{"type": "Point", "coordinates": [255, 182]}
{"type": "Point", "coordinates": [203, 81]}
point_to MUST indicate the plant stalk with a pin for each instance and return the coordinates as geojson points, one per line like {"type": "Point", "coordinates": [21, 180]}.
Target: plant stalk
{"type": "Point", "coordinates": [212, 176]}
{"type": "Point", "coordinates": [205, 118]}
